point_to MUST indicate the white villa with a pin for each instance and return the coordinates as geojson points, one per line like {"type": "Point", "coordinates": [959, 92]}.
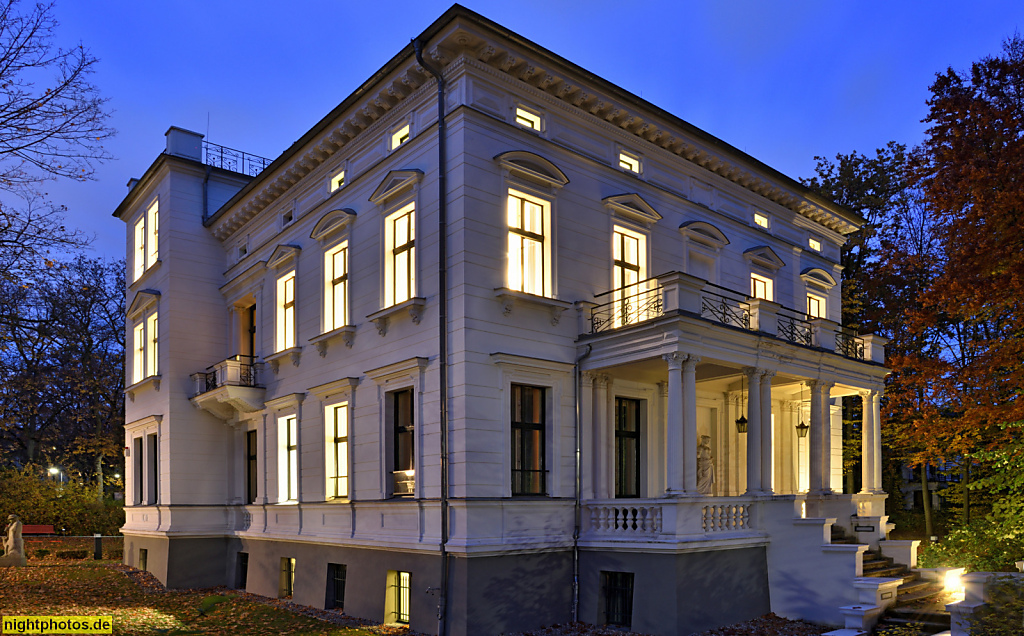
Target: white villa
{"type": "Point", "coordinates": [552, 354]}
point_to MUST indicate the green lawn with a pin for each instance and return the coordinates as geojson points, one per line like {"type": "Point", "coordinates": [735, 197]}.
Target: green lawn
{"type": "Point", "coordinates": [97, 588]}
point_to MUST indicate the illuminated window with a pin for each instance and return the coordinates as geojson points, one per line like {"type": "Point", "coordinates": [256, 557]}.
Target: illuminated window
{"type": "Point", "coordinates": [629, 162]}
{"type": "Point", "coordinates": [147, 234]}
{"type": "Point", "coordinates": [528, 256]}
{"type": "Point", "coordinates": [761, 220]}
{"type": "Point", "coordinates": [145, 345]}
{"type": "Point", "coordinates": [761, 287]}
{"type": "Point", "coordinates": [400, 256]}
{"type": "Point", "coordinates": [400, 136]}
{"type": "Point", "coordinates": [396, 607]}
{"type": "Point", "coordinates": [286, 311]}
{"type": "Point", "coordinates": [337, 450]}
{"type": "Point", "coordinates": [815, 306]}
{"type": "Point", "coordinates": [628, 269]}
{"type": "Point", "coordinates": [814, 244]}
{"type": "Point", "coordinates": [336, 287]}
{"type": "Point", "coordinates": [403, 459]}
{"type": "Point", "coordinates": [286, 583]}
{"type": "Point", "coordinates": [528, 470]}
{"type": "Point", "coordinates": [288, 459]}
{"type": "Point", "coordinates": [527, 119]}
{"type": "Point", "coordinates": [337, 180]}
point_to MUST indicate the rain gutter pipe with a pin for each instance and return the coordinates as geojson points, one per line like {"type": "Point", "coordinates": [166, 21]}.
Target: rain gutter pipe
{"type": "Point", "coordinates": [577, 507]}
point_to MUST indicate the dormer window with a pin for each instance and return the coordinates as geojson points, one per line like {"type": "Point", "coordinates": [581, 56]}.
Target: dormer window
{"type": "Point", "coordinates": [629, 162]}
{"type": "Point", "coordinates": [761, 220]}
{"type": "Point", "coordinates": [528, 118]}
{"type": "Point", "coordinates": [400, 136]}
{"type": "Point", "coordinates": [337, 180]}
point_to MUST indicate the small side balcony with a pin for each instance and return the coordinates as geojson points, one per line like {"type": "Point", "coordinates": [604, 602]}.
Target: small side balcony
{"type": "Point", "coordinates": [662, 295]}
{"type": "Point", "coordinates": [230, 387]}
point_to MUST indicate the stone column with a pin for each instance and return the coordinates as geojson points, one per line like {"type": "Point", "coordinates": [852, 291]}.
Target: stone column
{"type": "Point", "coordinates": [587, 446]}
{"type": "Point", "coordinates": [754, 486]}
{"type": "Point", "coordinates": [601, 465]}
{"type": "Point", "coordinates": [767, 465]}
{"type": "Point", "coordinates": [818, 437]}
{"type": "Point", "coordinates": [690, 425]}
{"type": "Point", "coordinates": [675, 484]}
{"type": "Point", "coordinates": [724, 472]}
{"type": "Point", "coordinates": [876, 450]}
{"type": "Point", "coordinates": [867, 443]}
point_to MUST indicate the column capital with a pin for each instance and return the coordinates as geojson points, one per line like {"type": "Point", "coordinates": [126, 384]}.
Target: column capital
{"type": "Point", "coordinates": [820, 385]}
{"type": "Point", "coordinates": [691, 363]}
{"type": "Point", "coordinates": [768, 374]}
{"type": "Point", "coordinates": [674, 360]}
{"type": "Point", "coordinates": [588, 377]}
{"type": "Point", "coordinates": [601, 380]}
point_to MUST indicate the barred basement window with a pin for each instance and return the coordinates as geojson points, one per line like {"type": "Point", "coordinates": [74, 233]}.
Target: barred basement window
{"type": "Point", "coordinates": [286, 585]}
{"type": "Point", "coordinates": [617, 588]}
{"type": "Point", "coordinates": [402, 599]}
{"type": "Point", "coordinates": [336, 573]}
{"type": "Point", "coordinates": [243, 570]}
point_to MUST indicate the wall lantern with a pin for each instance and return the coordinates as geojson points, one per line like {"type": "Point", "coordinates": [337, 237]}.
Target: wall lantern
{"type": "Point", "coordinates": [741, 421]}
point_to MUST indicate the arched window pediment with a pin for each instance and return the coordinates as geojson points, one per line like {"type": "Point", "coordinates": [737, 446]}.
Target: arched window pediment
{"type": "Point", "coordinates": [332, 222]}
{"type": "Point", "coordinates": [527, 165]}
{"type": "Point", "coordinates": [819, 277]}
{"type": "Point", "coordinates": [704, 233]}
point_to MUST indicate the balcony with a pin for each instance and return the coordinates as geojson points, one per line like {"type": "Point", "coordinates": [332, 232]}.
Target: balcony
{"type": "Point", "coordinates": [229, 387]}
{"type": "Point", "coordinates": [655, 297]}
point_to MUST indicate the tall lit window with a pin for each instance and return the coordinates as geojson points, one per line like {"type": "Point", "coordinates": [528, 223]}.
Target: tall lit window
{"type": "Point", "coordinates": [286, 311]}
{"type": "Point", "coordinates": [815, 306]}
{"type": "Point", "coordinates": [528, 469]}
{"type": "Point", "coordinates": [528, 260]}
{"type": "Point", "coordinates": [629, 162]}
{"type": "Point", "coordinates": [400, 136]}
{"type": "Point", "coordinates": [761, 220]}
{"type": "Point", "coordinates": [337, 180]}
{"type": "Point", "coordinates": [145, 344]}
{"type": "Point", "coordinates": [527, 119]}
{"type": "Point", "coordinates": [629, 264]}
{"type": "Point", "coordinates": [400, 256]}
{"type": "Point", "coordinates": [761, 287]}
{"type": "Point", "coordinates": [337, 450]}
{"type": "Point", "coordinates": [288, 458]}
{"type": "Point", "coordinates": [403, 458]}
{"type": "Point", "coordinates": [147, 234]}
{"type": "Point", "coordinates": [336, 287]}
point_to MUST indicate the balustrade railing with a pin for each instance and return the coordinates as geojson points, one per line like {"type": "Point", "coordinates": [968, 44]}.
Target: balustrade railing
{"type": "Point", "coordinates": [630, 305]}
{"type": "Point", "coordinates": [726, 517]}
{"type": "Point", "coordinates": [727, 307]}
{"type": "Point", "coordinates": [234, 160]}
{"type": "Point", "coordinates": [239, 370]}
{"type": "Point", "coordinates": [625, 519]}
{"type": "Point", "coordinates": [849, 345]}
{"type": "Point", "coordinates": [794, 327]}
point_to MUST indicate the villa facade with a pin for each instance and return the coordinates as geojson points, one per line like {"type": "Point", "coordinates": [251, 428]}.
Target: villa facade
{"type": "Point", "coordinates": [563, 355]}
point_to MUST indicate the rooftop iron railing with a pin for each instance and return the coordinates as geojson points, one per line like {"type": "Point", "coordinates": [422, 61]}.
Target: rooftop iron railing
{"type": "Point", "coordinates": [234, 160]}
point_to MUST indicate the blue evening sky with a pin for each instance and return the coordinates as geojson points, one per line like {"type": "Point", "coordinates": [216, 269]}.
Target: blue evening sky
{"type": "Point", "coordinates": [782, 80]}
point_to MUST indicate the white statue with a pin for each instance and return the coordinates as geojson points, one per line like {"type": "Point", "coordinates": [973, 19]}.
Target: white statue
{"type": "Point", "coordinates": [14, 545]}
{"type": "Point", "coordinates": [705, 466]}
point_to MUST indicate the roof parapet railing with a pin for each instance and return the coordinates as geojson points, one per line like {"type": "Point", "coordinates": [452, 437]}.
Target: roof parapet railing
{"type": "Point", "coordinates": [233, 160]}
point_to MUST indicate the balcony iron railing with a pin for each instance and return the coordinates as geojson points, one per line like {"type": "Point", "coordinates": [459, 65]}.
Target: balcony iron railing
{"type": "Point", "coordinates": [238, 370]}
{"type": "Point", "coordinates": [727, 308]}
{"type": "Point", "coordinates": [234, 160]}
{"type": "Point", "coordinates": [794, 327]}
{"type": "Point", "coordinates": [849, 345]}
{"type": "Point", "coordinates": [630, 305]}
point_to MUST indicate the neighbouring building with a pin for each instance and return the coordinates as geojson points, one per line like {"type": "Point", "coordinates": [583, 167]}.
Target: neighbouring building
{"type": "Point", "coordinates": [623, 374]}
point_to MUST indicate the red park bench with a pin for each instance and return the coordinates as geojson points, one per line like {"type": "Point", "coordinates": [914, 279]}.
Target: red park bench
{"type": "Point", "coordinates": [36, 529]}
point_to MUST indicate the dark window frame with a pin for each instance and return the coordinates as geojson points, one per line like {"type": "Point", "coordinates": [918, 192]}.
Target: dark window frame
{"type": "Point", "coordinates": [617, 592]}
{"type": "Point", "coordinates": [336, 576]}
{"type": "Point", "coordinates": [622, 434]}
{"type": "Point", "coordinates": [522, 484]}
{"type": "Point", "coordinates": [251, 466]}
{"type": "Point", "coordinates": [403, 426]}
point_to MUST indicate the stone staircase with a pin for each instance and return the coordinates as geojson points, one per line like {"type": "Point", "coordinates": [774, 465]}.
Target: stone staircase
{"type": "Point", "coordinates": [918, 601]}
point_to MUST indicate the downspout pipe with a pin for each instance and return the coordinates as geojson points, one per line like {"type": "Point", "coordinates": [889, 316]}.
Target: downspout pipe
{"type": "Point", "coordinates": [442, 285]}
{"type": "Point", "coordinates": [577, 507]}
{"type": "Point", "coordinates": [206, 193]}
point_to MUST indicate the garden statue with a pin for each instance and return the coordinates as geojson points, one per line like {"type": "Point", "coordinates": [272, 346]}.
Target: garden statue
{"type": "Point", "coordinates": [705, 467]}
{"type": "Point", "coordinates": [14, 545]}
